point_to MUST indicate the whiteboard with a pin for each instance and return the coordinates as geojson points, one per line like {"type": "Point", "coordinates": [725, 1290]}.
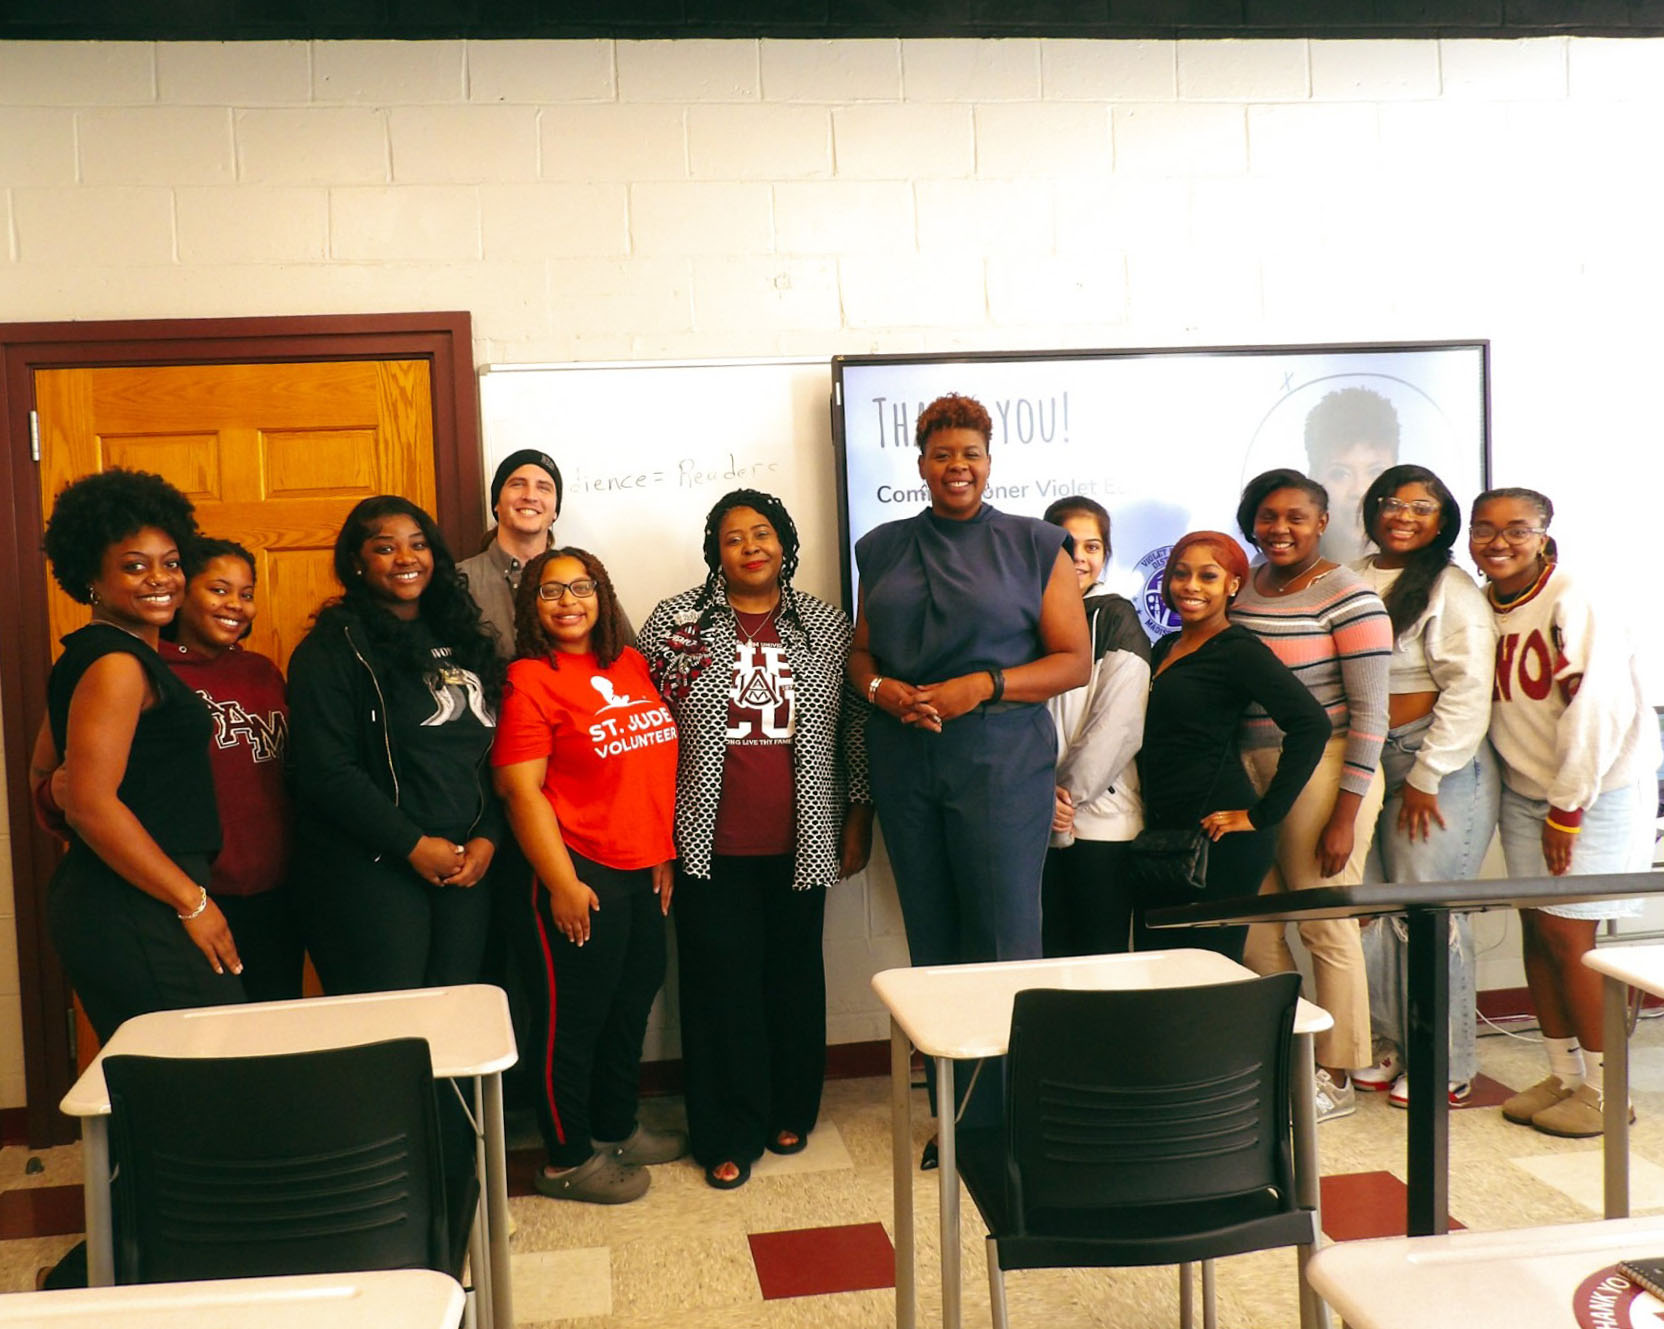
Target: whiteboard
{"type": "Point", "coordinates": [645, 449]}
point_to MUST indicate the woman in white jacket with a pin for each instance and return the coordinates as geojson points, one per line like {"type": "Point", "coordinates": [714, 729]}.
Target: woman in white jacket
{"type": "Point", "coordinates": [1579, 750]}
{"type": "Point", "coordinates": [1086, 898]}
{"type": "Point", "coordinates": [1441, 776]}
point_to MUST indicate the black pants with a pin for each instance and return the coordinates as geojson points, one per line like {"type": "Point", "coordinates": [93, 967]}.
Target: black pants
{"type": "Point", "coordinates": [753, 1005]}
{"type": "Point", "coordinates": [1086, 900]}
{"type": "Point", "coordinates": [593, 1012]}
{"type": "Point", "coordinates": [1236, 866]}
{"type": "Point", "coordinates": [126, 953]}
{"type": "Point", "coordinates": [378, 927]}
{"type": "Point", "coordinates": [266, 928]}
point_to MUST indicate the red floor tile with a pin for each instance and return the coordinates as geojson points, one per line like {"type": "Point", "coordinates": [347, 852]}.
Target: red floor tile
{"type": "Point", "coordinates": [1365, 1204]}
{"type": "Point", "coordinates": [813, 1261]}
{"type": "Point", "coordinates": [1488, 1093]}
{"type": "Point", "coordinates": [41, 1211]}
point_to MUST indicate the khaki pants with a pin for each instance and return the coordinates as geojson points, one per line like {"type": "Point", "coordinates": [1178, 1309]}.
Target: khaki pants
{"type": "Point", "coordinates": [1333, 943]}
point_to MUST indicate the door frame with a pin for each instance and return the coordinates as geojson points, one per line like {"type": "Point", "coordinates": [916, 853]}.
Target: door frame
{"type": "Point", "coordinates": [444, 339]}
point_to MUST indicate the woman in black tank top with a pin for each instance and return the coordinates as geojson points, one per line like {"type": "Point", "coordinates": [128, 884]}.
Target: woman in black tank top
{"type": "Point", "coordinates": [128, 907]}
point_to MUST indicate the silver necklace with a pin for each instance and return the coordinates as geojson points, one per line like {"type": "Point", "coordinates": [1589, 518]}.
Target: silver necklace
{"type": "Point", "coordinates": [739, 627]}
{"type": "Point", "coordinates": [1286, 587]}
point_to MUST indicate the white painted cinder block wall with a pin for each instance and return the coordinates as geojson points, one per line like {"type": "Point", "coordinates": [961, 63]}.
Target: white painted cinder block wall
{"type": "Point", "coordinates": [645, 200]}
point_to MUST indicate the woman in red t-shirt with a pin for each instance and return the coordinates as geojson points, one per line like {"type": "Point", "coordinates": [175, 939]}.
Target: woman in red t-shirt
{"type": "Point", "coordinates": [585, 760]}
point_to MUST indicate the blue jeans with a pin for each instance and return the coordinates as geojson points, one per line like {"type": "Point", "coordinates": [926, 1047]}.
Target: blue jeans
{"type": "Point", "coordinates": [1615, 837]}
{"type": "Point", "coordinates": [1468, 803]}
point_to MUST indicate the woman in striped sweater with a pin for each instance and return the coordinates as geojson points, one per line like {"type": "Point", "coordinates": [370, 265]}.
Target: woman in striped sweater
{"type": "Point", "coordinates": [1323, 622]}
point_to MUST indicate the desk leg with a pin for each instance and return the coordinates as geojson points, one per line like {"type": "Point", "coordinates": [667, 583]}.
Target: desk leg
{"type": "Point", "coordinates": [496, 1200]}
{"type": "Point", "coordinates": [1428, 1040]}
{"type": "Point", "coordinates": [479, 1240]}
{"type": "Point", "coordinates": [946, 1102]}
{"type": "Point", "coordinates": [901, 1166]}
{"type": "Point", "coordinates": [95, 1168]}
{"type": "Point", "coordinates": [1616, 1143]}
{"type": "Point", "coordinates": [1308, 1191]}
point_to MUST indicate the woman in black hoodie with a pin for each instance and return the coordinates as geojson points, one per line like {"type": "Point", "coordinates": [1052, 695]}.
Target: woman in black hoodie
{"type": "Point", "coordinates": [392, 709]}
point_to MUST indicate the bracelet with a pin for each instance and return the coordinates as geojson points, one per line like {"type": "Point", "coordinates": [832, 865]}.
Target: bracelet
{"type": "Point", "coordinates": [998, 675]}
{"type": "Point", "coordinates": [1564, 830]}
{"type": "Point", "coordinates": [200, 906]}
{"type": "Point", "coordinates": [872, 689]}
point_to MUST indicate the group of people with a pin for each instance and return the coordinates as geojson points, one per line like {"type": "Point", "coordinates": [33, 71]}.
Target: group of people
{"type": "Point", "coordinates": [479, 769]}
{"type": "Point", "coordinates": [465, 757]}
{"type": "Point", "coordinates": [1322, 723]}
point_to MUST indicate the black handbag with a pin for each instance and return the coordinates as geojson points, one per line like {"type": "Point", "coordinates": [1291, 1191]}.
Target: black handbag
{"type": "Point", "coordinates": [1169, 862]}
{"type": "Point", "coordinates": [1172, 864]}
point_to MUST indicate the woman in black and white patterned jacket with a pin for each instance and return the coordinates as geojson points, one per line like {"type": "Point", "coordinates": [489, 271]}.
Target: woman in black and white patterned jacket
{"type": "Point", "coordinates": [771, 806]}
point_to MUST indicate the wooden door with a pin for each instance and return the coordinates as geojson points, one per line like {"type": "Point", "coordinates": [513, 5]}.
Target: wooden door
{"type": "Point", "coordinates": [272, 455]}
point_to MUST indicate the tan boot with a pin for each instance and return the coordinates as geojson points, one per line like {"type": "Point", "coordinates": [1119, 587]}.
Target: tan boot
{"type": "Point", "coordinates": [1523, 1107]}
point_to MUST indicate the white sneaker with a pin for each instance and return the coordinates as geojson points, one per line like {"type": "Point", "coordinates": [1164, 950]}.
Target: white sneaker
{"type": "Point", "coordinates": [1399, 1097]}
{"type": "Point", "coordinates": [1389, 1065]}
{"type": "Point", "coordinates": [1334, 1100]}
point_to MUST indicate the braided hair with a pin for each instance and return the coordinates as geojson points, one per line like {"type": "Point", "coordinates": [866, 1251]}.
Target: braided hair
{"type": "Point", "coordinates": [1540, 501]}
{"type": "Point", "coordinates": [714, 591]}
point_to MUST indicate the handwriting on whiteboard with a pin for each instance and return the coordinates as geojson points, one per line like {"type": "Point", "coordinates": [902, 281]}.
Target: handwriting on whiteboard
{"type": "Point", "coordinates": [687, 473]}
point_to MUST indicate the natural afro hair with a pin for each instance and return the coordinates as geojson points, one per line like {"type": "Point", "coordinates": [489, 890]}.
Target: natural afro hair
{"type": "Point", "coordinates": [92, 513]}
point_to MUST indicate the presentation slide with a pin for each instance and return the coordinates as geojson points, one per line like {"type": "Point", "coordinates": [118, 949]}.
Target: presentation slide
{"type": "Point", "coordinates": [1166, 439]}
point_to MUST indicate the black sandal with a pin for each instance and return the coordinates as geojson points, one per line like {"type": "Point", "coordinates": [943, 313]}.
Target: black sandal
{"type": "Point", "coordinates": [728, 1183]}
{"type": "Point", "coordinates": [928, 1161]}
{"type": "Point", "coordinates": [796, 1147]}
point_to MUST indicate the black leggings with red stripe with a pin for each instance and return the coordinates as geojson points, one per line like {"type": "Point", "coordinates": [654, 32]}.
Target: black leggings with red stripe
{"type": "Point", "coordinates": [591, 1014]}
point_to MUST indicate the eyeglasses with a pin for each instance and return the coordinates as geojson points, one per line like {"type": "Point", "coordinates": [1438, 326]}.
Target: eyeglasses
{"type": "Point", "coordinates": [1482, 533]}
{"type": "Point", "coordinates": [1421, 507]}
{"type": "Point", "coordinates": [583, 588]}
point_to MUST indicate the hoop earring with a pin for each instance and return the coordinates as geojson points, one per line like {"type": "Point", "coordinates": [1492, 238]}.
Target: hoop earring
{"type": "Point", "coordinates": [92, 597]}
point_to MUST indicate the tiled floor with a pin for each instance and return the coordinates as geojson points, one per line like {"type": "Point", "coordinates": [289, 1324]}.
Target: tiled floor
{"type": "Point", "coordinates": [806, 1242]}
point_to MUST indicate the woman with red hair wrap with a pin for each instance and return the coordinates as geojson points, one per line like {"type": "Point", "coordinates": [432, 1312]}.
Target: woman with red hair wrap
{"type": "Point", "coordinates": [1203, 679]}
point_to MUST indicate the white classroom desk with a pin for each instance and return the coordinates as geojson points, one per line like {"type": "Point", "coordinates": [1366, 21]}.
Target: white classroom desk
{"type": "Point", "coordinates": [1623, 967]}
{"type": "Point", "coordinates": [407, 1298]}
{"type": "Point", "coordinates": [469, 1036]}
{"type": "Point", "coordinates": [962, 1012]}
{"type": "Point", "coordinates": [1523, 1278]}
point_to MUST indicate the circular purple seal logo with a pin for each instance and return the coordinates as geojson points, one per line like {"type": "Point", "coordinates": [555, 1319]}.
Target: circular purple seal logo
{"type": "Point", "coordinates": [1157, 618]}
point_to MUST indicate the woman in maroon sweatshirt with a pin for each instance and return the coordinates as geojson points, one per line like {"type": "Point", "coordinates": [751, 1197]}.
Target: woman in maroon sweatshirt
{"type": "Point", "coordinates": [245, 693]}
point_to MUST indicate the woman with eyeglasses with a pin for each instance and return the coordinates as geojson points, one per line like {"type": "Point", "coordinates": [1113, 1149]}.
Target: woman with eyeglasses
{"type": "Point", "coordinates": [585, 760]}
{"type": "Point", "coordinates": [1441, 775]}
{"type": "Point", "coordinates": [771, 809]}
{"type": "Point", "coordinates": [392, 708]}
{"type": "Point", "coordinates": [1580, 754]}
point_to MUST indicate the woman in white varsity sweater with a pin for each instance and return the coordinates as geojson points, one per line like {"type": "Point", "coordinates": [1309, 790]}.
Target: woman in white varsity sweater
{"type": "Point", "coordinates": [1579, 750]}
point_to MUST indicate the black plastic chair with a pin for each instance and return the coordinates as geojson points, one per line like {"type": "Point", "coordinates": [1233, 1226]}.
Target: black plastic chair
{"type": "Point", "coordinates": [1142, 1127]}
{"type": "Point", "coordinates": [307, 1162]}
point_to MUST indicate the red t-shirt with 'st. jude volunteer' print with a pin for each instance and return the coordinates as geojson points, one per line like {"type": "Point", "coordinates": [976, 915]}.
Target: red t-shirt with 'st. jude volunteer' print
{"type": "Point", "coordinates": [611, 746]}
{"type": "Point", "coordinates": [755, 814]}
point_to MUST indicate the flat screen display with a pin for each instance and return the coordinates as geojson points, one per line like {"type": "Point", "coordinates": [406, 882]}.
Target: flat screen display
{"type": "Point", "coordinates": [1165, 439]}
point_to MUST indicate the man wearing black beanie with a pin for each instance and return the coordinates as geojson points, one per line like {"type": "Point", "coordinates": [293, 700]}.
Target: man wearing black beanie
{"type": "Point", "coordinates": [525, 500]}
